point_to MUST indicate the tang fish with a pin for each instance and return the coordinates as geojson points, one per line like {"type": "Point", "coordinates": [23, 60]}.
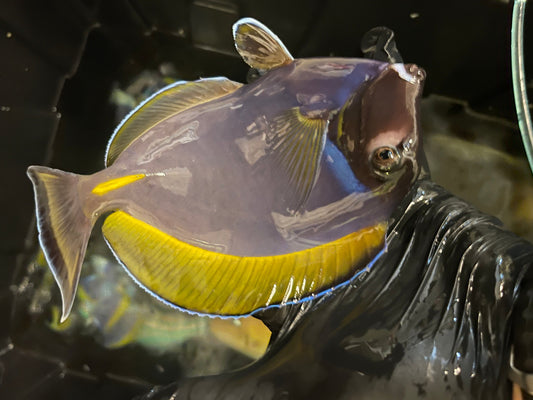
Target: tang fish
{"type": "Point", "coordinates": [228, 198]}
{"type": "Point", "coordinates": [111, 310]}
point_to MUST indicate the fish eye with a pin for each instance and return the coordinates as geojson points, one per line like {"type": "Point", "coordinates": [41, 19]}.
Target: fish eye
{"type": "Point", "coordinates": [385, 159]}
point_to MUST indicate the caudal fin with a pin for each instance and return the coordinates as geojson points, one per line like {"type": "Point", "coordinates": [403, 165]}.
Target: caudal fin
{"type": "Point", "coordinates": [64, 229]}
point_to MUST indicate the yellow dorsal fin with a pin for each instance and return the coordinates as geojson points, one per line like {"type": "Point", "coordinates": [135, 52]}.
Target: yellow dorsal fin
{"type": "Point", "coordinates": [212, 283]}
{"type": "Point", "coordinates": [170, 101]}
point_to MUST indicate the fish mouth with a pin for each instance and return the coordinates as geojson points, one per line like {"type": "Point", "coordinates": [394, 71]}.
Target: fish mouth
{"type": "Point", "coordinates": [410, 73]}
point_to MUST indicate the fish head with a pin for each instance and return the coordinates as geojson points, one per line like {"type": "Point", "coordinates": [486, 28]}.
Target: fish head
{"type": "Point", "coordinates": [343, 146]}
{"type": "Point", "coordinates": [378, 130]}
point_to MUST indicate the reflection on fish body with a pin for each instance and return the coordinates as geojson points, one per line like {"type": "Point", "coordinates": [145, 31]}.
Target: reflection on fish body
{"type": "Point", "coordinates": [230, 198]}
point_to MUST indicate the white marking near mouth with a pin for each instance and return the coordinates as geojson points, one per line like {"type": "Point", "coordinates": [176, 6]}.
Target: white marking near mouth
{"type": "Point", "coordinates": [402, 72]}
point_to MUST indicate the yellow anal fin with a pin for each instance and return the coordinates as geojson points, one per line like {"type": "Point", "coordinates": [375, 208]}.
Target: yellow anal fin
{"type": "Point", "coordinates": [108, 186]}
{"type": "Point", "coordinates": [222, 284]}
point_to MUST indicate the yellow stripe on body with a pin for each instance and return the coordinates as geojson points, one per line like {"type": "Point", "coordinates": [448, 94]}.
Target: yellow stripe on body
{"type": "Point", "coordinates": [209, 282]}
{"type": "Point", "coordinates": [108, 186]}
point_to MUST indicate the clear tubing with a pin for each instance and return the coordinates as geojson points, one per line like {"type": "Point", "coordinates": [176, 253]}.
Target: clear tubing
{"type": "Point", "coordinates": [519, 78]}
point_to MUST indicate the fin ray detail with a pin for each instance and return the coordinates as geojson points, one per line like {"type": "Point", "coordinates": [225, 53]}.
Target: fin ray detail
{"type": "Point", "coordinates": [297, 148]}
{"type": "Point", "coordinates": [259, 47]}
{"type": "Point", "coordinates": [231, 285]}
{"type": "Point", "coordinates": [64, 229]}
{"type": "Point", "coordinates": [169, 101]}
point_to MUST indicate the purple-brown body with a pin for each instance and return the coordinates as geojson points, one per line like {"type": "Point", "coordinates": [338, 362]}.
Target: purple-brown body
{"type": "Point", "coordinates": [212, 178]}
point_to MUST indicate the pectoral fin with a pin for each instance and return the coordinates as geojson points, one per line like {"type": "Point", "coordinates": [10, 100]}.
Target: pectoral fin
{"type": "Point", "coordinates": [164, 104]}
{"type": "Point", "coordinates": [258, 46]}
{"type": "Point", "coordinates": [211, 283]}
{"type": "Point", "coordinates": [297, 146]}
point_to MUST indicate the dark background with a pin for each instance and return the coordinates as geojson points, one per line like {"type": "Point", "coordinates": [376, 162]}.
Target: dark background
{"type": "Point", "coordinates": [60, 60]}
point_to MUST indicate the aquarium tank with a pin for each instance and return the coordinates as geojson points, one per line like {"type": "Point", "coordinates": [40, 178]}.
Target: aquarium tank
{"type": "Point", "coordinates": [434, 314]}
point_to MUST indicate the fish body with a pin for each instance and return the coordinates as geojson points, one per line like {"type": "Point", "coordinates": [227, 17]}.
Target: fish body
{"type": "Point", "coordinates": [229, 198]}
{"type": "Point", "coordinates": [187, 194]}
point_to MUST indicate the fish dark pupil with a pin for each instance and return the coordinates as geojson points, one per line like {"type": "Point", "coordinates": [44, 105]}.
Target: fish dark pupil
{"type": "Point", "coordinates": [386, 155]}
{"type": "Point", "coordinates": [385, 159]}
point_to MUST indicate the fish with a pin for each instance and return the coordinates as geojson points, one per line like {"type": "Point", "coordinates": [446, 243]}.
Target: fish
{"type": "Point", "coordinates": [224, 199]}
{"type": "Point", "coordinates": [111, 310]}
{"type": "Point", "coordinates": [248, 335]}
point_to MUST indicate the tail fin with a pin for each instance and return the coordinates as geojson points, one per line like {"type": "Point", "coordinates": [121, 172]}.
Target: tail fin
{"type": "Point", "coordinates": [64, 229]}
